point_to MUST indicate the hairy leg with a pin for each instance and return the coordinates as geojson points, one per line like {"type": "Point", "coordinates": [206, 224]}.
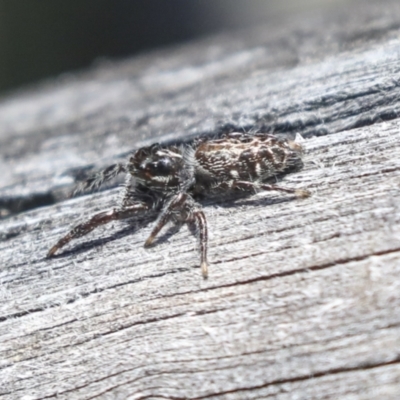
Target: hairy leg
{"type": "Point", "coordinates": [97, 180]}
{"type": "Point", "coordinates": [201, 226]}
{"type": "Point", "coordinates": [249, 186]}
{"type": "Point", "coordinates": [176, 204]}
{"type": "Point", "coordinates": [98, 220]}
{"type": "Point", "coordinates": [183, 208]}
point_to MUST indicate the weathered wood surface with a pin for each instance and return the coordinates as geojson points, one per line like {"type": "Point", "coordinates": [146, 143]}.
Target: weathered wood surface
{"type": "Point", "coordinates": [303, 299]}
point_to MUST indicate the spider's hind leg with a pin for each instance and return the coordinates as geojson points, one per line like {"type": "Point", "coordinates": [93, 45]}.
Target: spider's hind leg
{"type": "Point", "coordinates": [248, 186]}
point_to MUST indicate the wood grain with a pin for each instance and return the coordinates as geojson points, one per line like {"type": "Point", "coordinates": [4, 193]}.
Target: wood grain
{"type": "Point", "coordinates": [303, 297]}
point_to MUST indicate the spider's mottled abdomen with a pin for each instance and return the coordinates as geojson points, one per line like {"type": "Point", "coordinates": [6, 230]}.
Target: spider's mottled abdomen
{"type": "Point", "coordinates": [246, 157]}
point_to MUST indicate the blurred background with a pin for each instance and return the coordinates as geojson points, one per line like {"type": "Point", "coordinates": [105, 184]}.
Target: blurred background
{"type": "Point", "coordinates": [43, 38]}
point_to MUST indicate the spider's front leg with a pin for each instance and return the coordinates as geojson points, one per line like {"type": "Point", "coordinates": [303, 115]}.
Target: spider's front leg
{"type": "Point", "coordinates": [98, 220]}
{"type": "Point", "coordinates": [183, 208]}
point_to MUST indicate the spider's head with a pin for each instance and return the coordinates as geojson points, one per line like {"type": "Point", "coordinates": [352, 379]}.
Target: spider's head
{"type": "Point", "coordinates": [156, 167]}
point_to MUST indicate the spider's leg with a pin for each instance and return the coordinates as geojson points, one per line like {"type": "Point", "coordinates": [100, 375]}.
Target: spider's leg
{"type": "Point", "coordinates": [249, 186]}
{"type": "Point", "coordinates": [97, 220]}
{"type": "Point", "coordinates": [176, 204]}
{"type": "Point", "coordinates": [201, 226]}
{"type": "Point", "coordinates": [301, 193]}
{"type": "Point", "coordinates": [97, 180]}
{"type": "Point", "coordinates": [183, 208]}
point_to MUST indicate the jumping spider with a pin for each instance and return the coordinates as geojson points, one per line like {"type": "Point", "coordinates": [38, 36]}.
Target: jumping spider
{"type": "Point", "coordinates": [169, 180]}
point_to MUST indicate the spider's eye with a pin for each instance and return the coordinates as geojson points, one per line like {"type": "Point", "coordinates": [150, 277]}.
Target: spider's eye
{"type": "Point", "coordinates": [162, 166]}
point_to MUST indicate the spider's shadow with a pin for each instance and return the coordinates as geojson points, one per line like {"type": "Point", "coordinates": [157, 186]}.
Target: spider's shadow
{"type": "Point", "coordinates": [134, 225]}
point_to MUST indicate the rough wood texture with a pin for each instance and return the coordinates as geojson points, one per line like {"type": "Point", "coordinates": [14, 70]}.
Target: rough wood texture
{"type": "Point", "coordinates": [303, 299]}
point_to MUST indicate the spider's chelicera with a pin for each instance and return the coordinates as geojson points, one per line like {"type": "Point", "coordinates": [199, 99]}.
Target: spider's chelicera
{"type": "Point", "coordinates": [171, 180]}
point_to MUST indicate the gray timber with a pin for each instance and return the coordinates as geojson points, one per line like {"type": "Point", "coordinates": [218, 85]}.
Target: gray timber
{"type": "Point", "coordinates": [303, 298]}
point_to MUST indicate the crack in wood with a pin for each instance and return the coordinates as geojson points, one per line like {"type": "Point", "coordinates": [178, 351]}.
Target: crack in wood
{"type": "Point", "coordinates": [301, 378]}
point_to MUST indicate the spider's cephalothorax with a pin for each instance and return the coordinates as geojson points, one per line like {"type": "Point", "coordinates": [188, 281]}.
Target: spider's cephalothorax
{"type": "Point", "coordinates": [170, 179]}
{"type": "Point", "coordinates": [156, 168]}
